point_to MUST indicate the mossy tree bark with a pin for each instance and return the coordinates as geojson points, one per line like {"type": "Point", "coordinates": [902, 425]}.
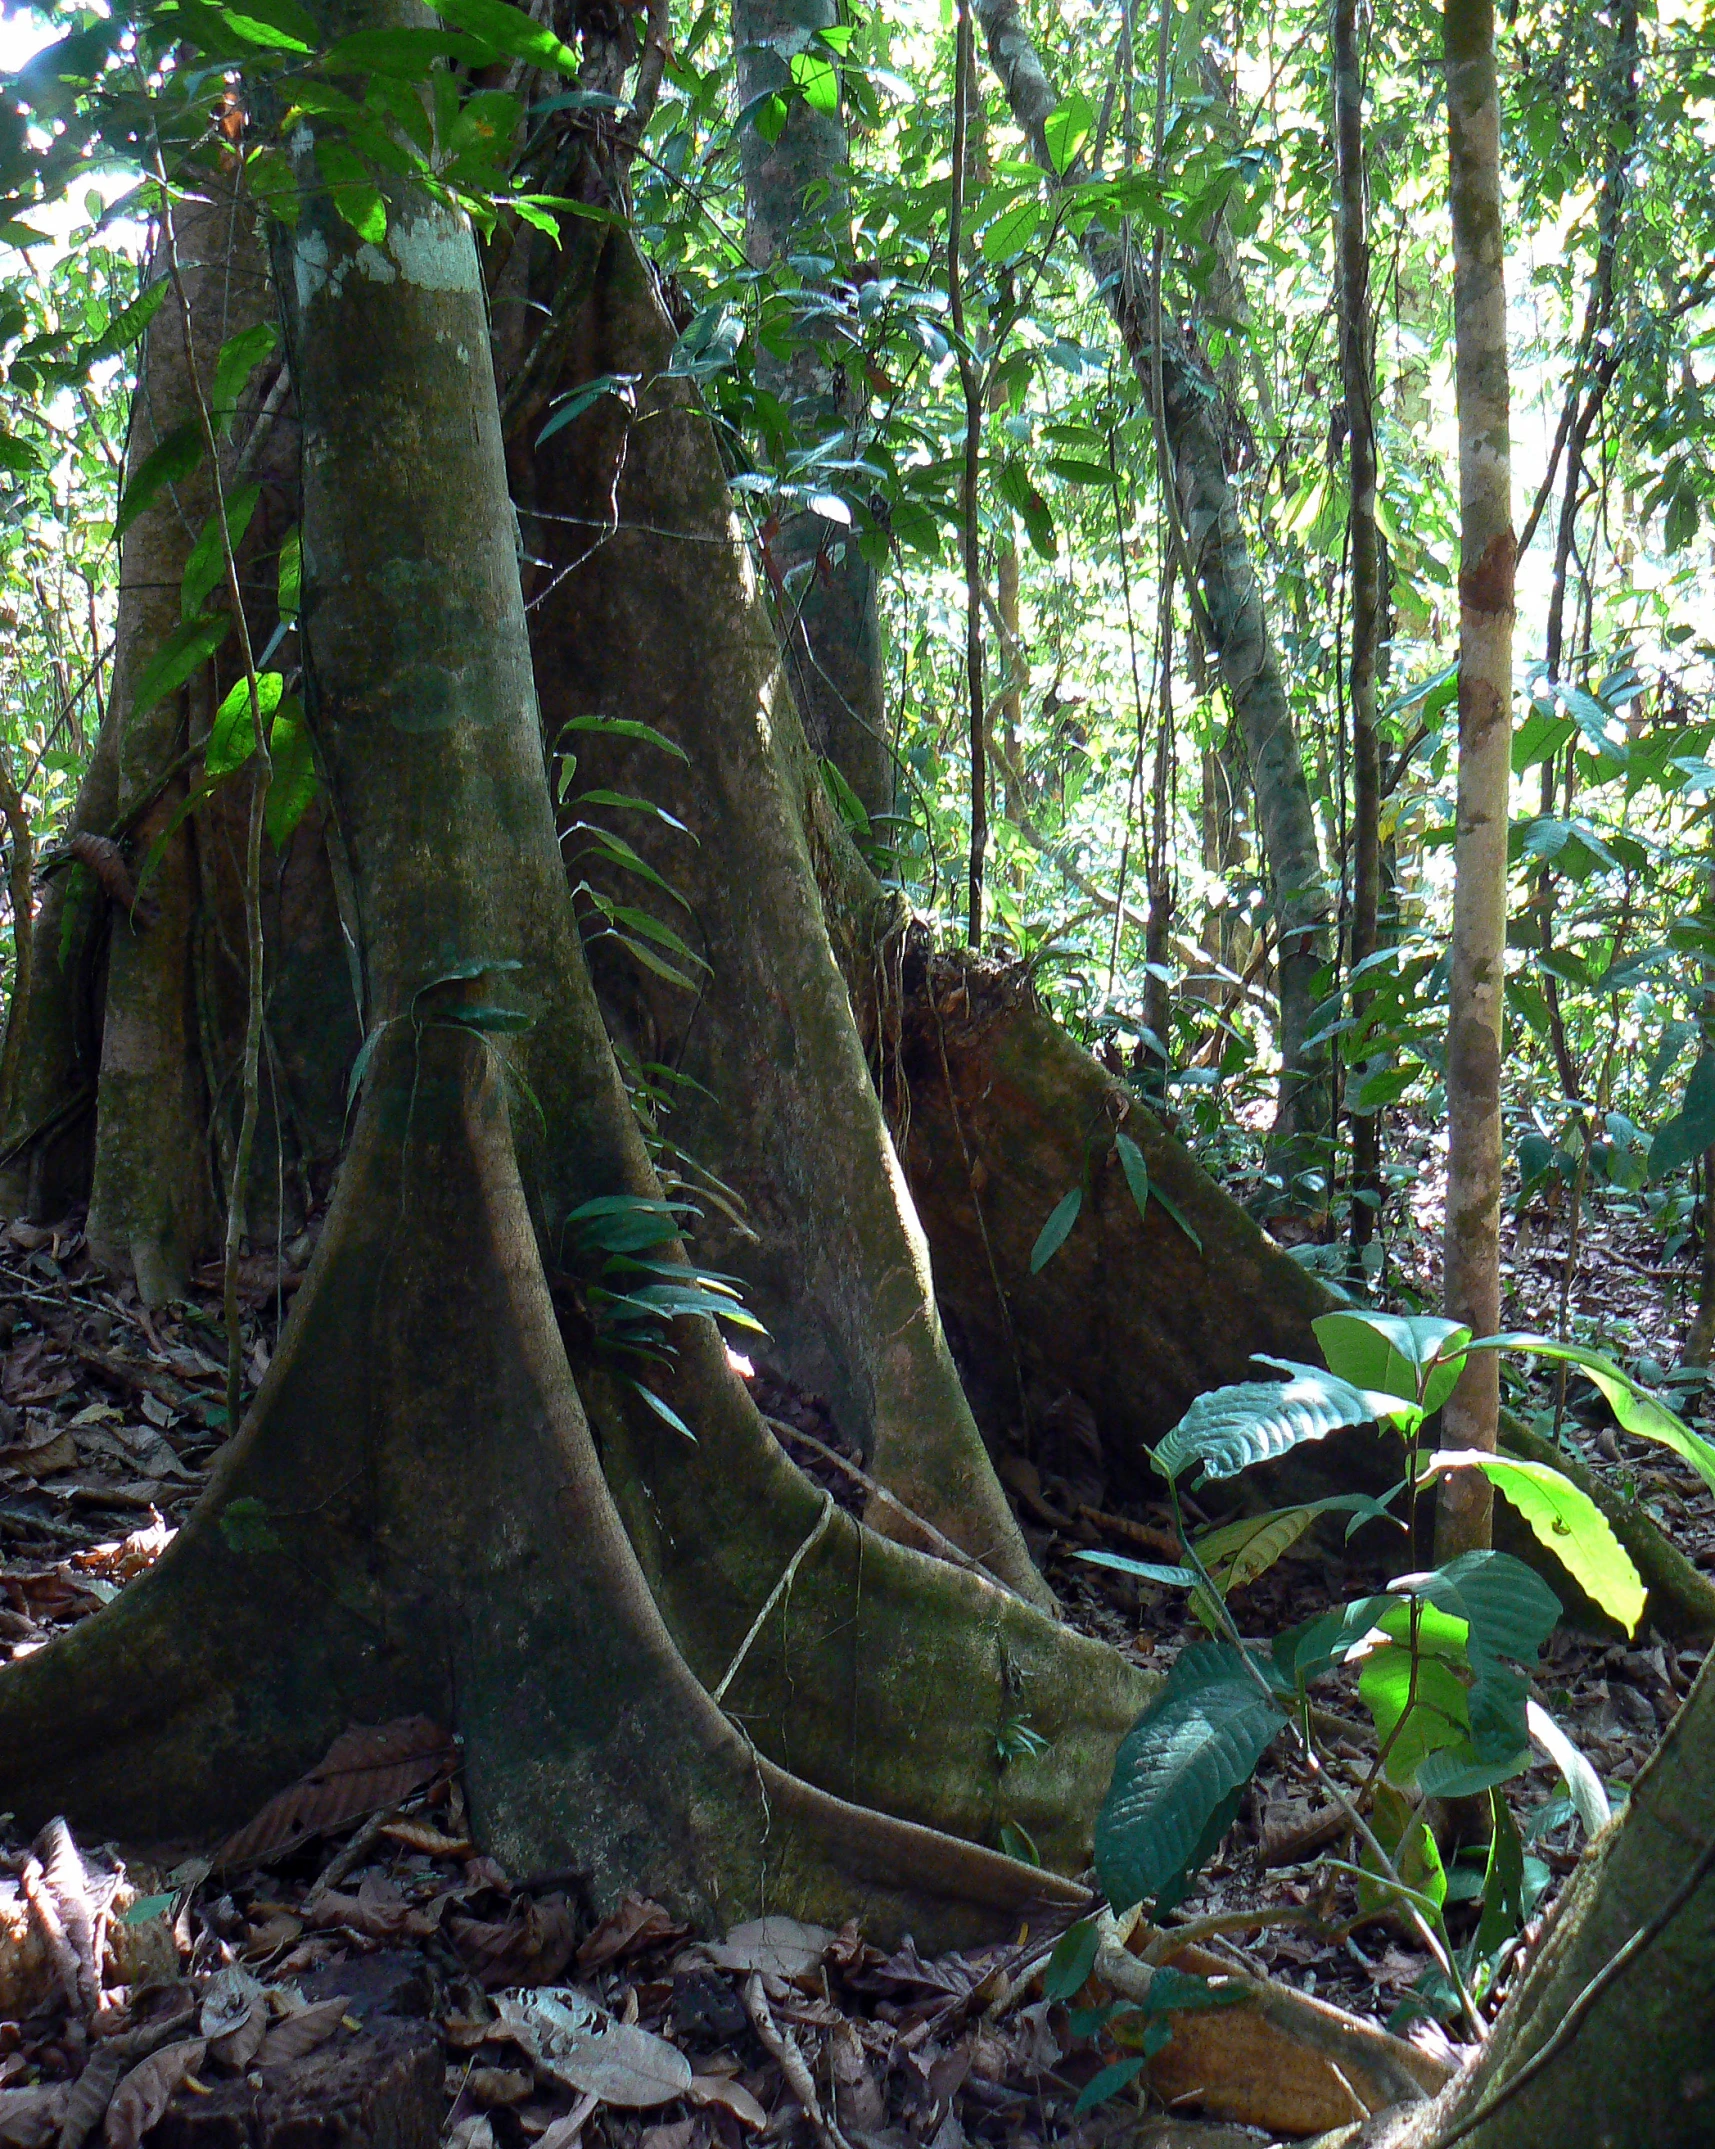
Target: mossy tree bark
{"type": "Point", "coordinates": [414, 1516]}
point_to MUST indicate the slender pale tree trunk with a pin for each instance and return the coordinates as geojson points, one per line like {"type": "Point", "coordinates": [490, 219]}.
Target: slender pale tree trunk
{"type": "Point", "coordinates": [1357, 374]}
{"type": "Point", "coordinates": [1487, 555]}
{"type": "Point", "coordinates": [795, 200]}
{"type": "Point", "coordinates": [1229, 608]}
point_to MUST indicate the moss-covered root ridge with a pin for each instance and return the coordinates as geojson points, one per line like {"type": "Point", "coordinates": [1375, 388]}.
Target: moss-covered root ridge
{"type": "Point", "coordinates": [414, 1519]}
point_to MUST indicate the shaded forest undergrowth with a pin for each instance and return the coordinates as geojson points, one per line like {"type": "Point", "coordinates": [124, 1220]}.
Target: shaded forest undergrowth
{"type": "Point", "coordinates": [371, 1893]}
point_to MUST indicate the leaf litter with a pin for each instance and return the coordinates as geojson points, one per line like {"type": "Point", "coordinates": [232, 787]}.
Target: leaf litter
{"type": "Point", "coordinates": [357, 1897]}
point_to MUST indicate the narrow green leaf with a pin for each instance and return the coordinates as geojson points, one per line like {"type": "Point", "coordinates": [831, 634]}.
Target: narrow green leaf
{"type": "Point", "coordinates": [294, 782]}
{"type": "Point", "coordinates": [291, 576]}
{"type": "Point", "coordinates": [169, 464]}
{"type": "Point", "coordinates": [665, 1411]}
{"type": "Point", "coordinates": [1136, 1172]}
{"type": "Point", "coordinates": [173, 663]}
{"type": "Point", "coordinates": [1055, 1232]}
{"type": "Point", "coordinates": [1144, 1570]}
{"type": "Point", "coordinates": [1638, 1411]}
{"type": "Point", "coordinates": [627, 727]}
{"type": "Point", "coordinates": [206, 567]}
{"type": "Point", "coordinates": [240, 355]}
{"type": "Point", "coordinates": [1110, 2080]}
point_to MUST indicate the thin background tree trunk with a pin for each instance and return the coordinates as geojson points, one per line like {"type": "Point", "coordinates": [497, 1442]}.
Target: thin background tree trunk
{"type": "Point", "coordinates": [1487, 556]}
{"type": "Point", "coordinates": [1228, 610]}
{"type": "Point", "coordinates": [1357, 373]}
{"type": "Point", "coordinates": [795, 199]}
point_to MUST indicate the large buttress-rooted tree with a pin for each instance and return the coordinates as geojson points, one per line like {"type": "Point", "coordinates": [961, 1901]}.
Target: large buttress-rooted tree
{"type": "Point", "coordinates": [414, 1516]}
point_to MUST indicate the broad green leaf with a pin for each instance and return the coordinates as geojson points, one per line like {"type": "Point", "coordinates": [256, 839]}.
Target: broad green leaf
{"type": "Point", "coordinates": [205, 570]}
{"type": "Point", "coordinates": [1012, 231]}
{"type": "Point", "coordinates": [1108, 2081]}
{"type": "Point", "coordinates": [169, 464]}
{"type": "Point", "coordinates": [294, 782]}
{"type": "Point", "coordinates": [355, 196]}
{"type": "Point", "coordinates": [1073, 1959]}
{"type": "Point", "coordinates": [1136, 1172]}
{"type": "Point", "coordinates": [1305, 1652]}
{"type": "Point", "coordinates": [240, 355]}
{"type": "Point", "coordinates": [1565, 1519]}
{"type": "Point", "coordinates": [509, 30]}
{"type": "Point", "coordinates": [1056, 1231]}
{"type": "Point", "coordinates": [1068, 127]}
{"type": "Point", "coordinates": [817, 80]}
{"type": "Point", "coordinates": [1197, 1742]}
{"type": "Point", "coordinates": [173, 663]}
{"type": "Point", "coordinates": [1390, 1352]}
{"type": "Point", "coordinates": [18, 456]}
{"type": "Point", "coordinates": [1638, 1411]}
{"type": "Point", "coordinates": [1691, 1130]}
{"type": "Point", "coordinates": [232, 737]}
{"type": "Point", "coordinates": [407, 54]}
{"type": "Point", "coordinates": [1230, 1428]}
{"type": "Point", "coordinates": [1416, 1716]}
{"type": "Point", "coordinates": [1510, 1612]}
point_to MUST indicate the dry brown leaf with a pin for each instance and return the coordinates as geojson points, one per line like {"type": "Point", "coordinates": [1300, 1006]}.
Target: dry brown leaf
{"type": "Point", "coordinates": [31, 2118]}
{"type": "Point", "coordinates": [778, 1947]}
{"type": "Point", "coordinates": [306, 2031]}
{"type": "Point", "coordinates": [91, 2094]}
{"type": "Point", "coordinates": [424, 1836]}
{"type": "Point", "coordinates": [44, 1457]}
{"type": "Point", "coordinates": [148, 2089]}
{"type": "Point", "coordinates": [238, 2047]}
{"type": "Point", "coordinates": [673, 2133]}
{"type": "Point", "coordinates": [492, 2086]}
{"type": "Point", "coordinates": [638, 1923]}
{"type": "Point", "coordinates": [620, 2064]}
{"type": "Point", "coordinates": [366, 1768]}
{"type": "Point", "coordinates": [231, 1998]}
{"type": "Point", "coordinates": [532, 1946]}
{"type": "Point", "coordinates": [730, 2096]}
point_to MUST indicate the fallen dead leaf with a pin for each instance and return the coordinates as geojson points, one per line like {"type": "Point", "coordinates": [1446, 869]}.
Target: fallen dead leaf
{"type": "Point", "coordinates": [147, 2090]}
{"type": "Point", "coordinates": [730, 2096]}
{"type": "Point", "coordinates": [778, 1947]}
{"type": "Point", "coordinates": [306, 2031]}
{"type": "Point", "coordinates": [366, 1768]}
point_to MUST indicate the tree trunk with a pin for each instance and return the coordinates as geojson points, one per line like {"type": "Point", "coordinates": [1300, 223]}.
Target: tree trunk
{"type": "Point", "coordinates": [1472, 1281]}
{"type": "Point", "coordinates": [1632, 2066]}
{"type": "Point", "coordinates": [1232, 615]}
{"type": "Point", "coordinates": [795, 200]}
{"type": "Point", "coordinates": [413, 1518]}
{"type": "Point", "coordinates": [1357, 376]}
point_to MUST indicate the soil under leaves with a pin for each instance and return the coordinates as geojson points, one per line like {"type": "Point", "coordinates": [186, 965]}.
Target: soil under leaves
{"type": "Point", "coordinates": [370, 1894]}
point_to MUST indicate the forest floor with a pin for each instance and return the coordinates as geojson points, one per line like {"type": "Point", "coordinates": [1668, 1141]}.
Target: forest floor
{"type": "Point", "coordinates": [368, 1892]}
